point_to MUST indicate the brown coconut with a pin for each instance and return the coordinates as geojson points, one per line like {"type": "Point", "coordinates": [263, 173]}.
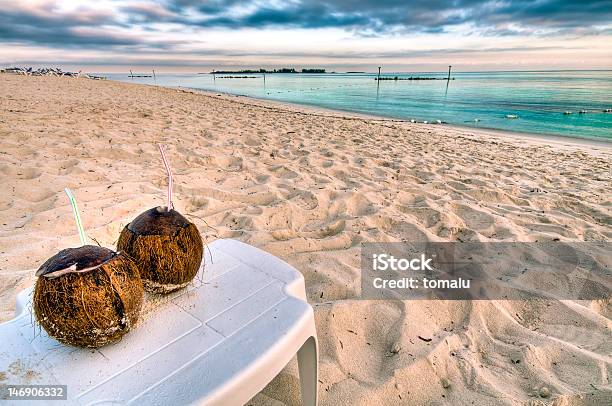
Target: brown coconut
{"type": "Point", "coordinates": [166, 247]}
{"type": "Point", "coordinates": [88, 296]}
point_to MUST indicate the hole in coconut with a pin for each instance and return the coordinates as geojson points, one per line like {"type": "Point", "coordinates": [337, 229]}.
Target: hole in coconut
{"type": "Point", "coordinates": [158, 221]}
{"type": "Point", "coordinates": [80, 259]}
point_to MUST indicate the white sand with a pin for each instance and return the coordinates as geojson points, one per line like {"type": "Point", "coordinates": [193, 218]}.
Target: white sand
{"type": "Point", "coordinates": [310, 186]}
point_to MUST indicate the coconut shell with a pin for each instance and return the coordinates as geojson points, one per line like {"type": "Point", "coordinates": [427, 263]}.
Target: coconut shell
{"type": "Point", "coordinates": [166, 247]}
{"type": "Point", "coordinates": [79, 259]}
{"type": "Point", "coordinates": [93, 305]}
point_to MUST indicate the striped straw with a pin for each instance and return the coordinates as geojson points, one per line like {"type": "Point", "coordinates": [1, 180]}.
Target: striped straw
{"type": "Point", "coordinates": [169, 206]}
{"type": "Point", "coordinates": [77, 216]}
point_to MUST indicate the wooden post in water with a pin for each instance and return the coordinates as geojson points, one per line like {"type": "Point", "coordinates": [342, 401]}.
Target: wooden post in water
{"type": "Point", "coordinates": [378, 84]}
{"type": "Point", "coordinates": [448, 79]}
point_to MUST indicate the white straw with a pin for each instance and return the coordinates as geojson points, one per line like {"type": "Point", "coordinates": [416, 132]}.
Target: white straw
{"type": "Point", "coordinates": [170, 206]}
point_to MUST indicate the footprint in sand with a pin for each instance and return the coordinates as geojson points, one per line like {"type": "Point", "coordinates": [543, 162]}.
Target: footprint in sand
{"type": "Point", "coordinates": [301, 152]}
{"type": "Point", "coordinates": [379, 174]}
{"type": "Point", "coordinates": [304, 199]}
{"type": "Point", "coordinates": [552, 229]}
{"type": "Point", "coordinates": [427, 216]}
{"type": "Point", "coordinates": [458, 186]}
{"type": "Point", "coordinates": [283, 172]}
{"type": "Point", "coordinates": [461, 234]}
{"type": "Point", "coordinates": [228, 163]}
{"type": "Point", "coordinates": [33, 195]}
{"type": "Point", "coordinates": [362, 333]}
{"type": "Point", "coordinates": [389, 164]}
{"type": "Point", "coordinates": [473, 219]}
{"type": "Point", "coordinates": [198, 203]}
{"type": "Point", "coordinates": [359, 161]}
{"type": "Point", "coordinates": [326, 229]}
{"type": "Point", "coordinates": [17, 150]}
{"type": "Point", "coordinates": [284, 234]}
{"type": "Point", "coordinates": [20, 173]}
{"type": "Point", "coordinates": [400, 230]}
{"type": "Point", "coordinates": [332, 229]}
{"type": "Point", "coordinates": [496, 197]}
{"type": "Point", "coordinates": [252, 141]}
{"type": "Point", "coordinates": [254, 210]}
{"type": "Point", "coordinates": [197, 160]}
{"type": "Point", "coordinates": [62, 167]}
{"type": "Point", "coordinates": [262, 178]}
{"type": "Point", "coordinates": [424, 176]}
{"type": "Point", "coordinates": [237, 222]}
{"type": "Point", "coordinates": [358, 205]}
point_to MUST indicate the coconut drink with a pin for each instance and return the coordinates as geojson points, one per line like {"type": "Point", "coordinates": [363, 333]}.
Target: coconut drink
{"type": "Point", "coordinates": [165, 245]}
{"type": "Point", "coordinates": [87, 296]}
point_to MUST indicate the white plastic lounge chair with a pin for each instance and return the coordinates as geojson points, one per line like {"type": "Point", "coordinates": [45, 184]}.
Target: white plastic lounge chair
{"type": "Point", "coordinates": [218, 342]}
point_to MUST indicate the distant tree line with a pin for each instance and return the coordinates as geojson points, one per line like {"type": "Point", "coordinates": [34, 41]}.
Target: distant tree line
{"type": "Point", "coordinates": [281, 70]}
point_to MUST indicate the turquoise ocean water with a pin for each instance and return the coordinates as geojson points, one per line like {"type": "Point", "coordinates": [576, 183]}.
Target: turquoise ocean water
{"type": "Point", "coordinates": [539, 99]}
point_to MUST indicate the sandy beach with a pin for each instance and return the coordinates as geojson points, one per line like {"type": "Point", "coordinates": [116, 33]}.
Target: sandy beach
{"type": "Point", "coordinates": [310, 186]}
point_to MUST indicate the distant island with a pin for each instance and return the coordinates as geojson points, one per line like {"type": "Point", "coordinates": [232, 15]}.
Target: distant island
{"type": "Point", "coordinates": [411, 78]}
{"type": "Point", "coordinates": [281, 70]}
{"type": "Point", "coordinates": [355, 71]}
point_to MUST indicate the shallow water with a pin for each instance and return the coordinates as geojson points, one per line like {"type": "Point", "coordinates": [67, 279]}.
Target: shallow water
{"type": "Point", "coordinates": [539, 99]}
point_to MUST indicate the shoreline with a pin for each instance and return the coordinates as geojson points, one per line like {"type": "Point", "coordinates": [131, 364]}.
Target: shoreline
{"type": "Point", "coordinates": [561, 140]}
{"type": "Point", "coordinates": [556, 139]}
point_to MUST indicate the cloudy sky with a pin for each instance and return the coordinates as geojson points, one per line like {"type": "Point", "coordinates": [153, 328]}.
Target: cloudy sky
{"type": "Point", "coordinates": [401, 35]}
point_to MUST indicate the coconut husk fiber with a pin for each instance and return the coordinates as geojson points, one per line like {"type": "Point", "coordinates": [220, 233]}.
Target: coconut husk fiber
{"type": "Point", "coordinates": [166, 247]}
{"type": "Point", "coordinates": [88, 296]}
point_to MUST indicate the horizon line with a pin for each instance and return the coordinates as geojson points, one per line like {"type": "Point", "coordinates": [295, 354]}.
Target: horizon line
{"type": "Point", "coordinates": [162, 71]}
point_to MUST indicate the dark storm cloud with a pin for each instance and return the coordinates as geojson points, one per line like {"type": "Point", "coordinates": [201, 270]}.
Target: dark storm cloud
{"type": "Point", "coordinates": [81, 28]}
{"type": "Point", "coordinates": [302, 16]}
{"type": "Point", "coordinates": [406, 16]}
{"type": "Point", "coordinates": [45, 24]}
{"type": "Point", "coordinates": [146, 12]}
